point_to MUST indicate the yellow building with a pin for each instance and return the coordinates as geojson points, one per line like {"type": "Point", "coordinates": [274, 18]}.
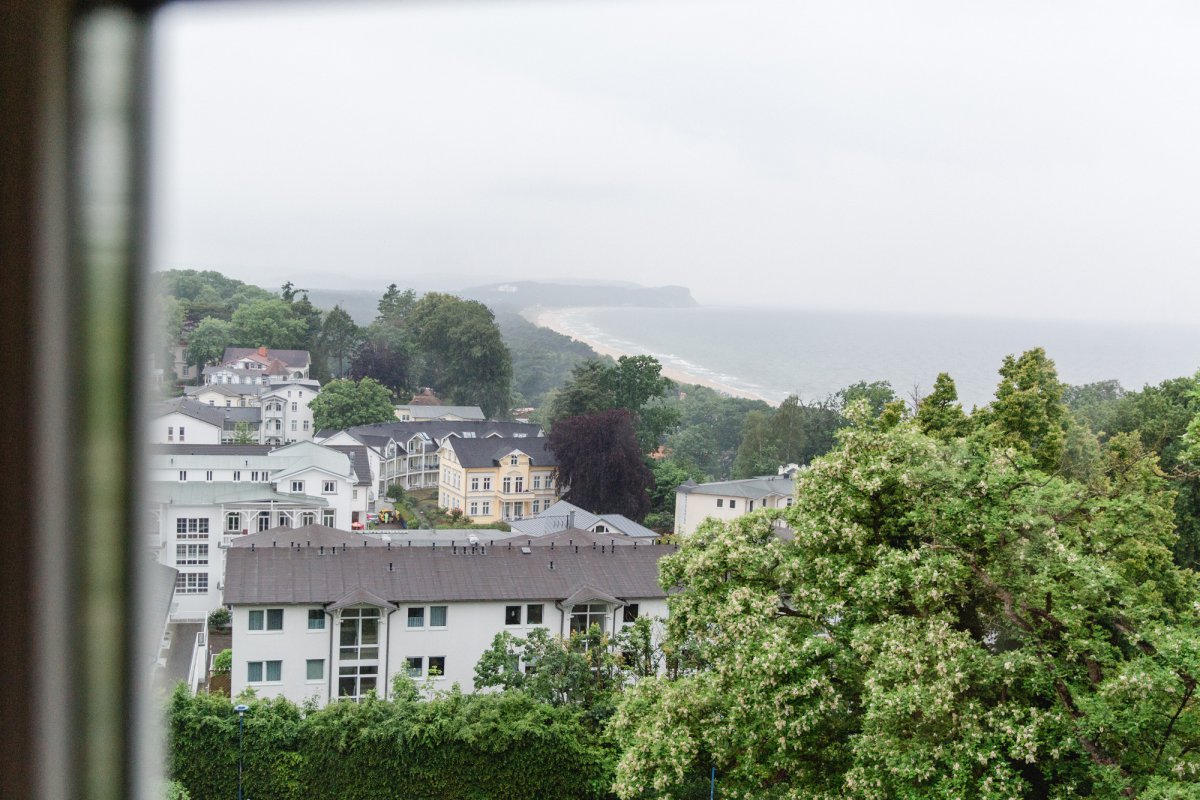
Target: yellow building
{"type": "Point", "coordinates": [496, 479]}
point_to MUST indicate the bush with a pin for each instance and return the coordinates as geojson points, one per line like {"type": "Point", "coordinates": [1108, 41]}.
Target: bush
{"type": "Point", "coordinates": [219, 618]}
{"type": "Point", "coordinates": [223, 662]}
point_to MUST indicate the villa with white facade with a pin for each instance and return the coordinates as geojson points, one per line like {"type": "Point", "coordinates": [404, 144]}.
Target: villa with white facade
{"type": "Point", "coordinates": [200, 497]}
{"type": "Point", "coordinates": [725, 500]}
{"type": "Point", "coordinates": [326, 614]}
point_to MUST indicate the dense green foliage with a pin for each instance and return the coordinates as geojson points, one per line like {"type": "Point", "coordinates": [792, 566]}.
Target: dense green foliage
{"type": "Point", "coordinates": [345, 403]}
{"type": "Point", "coordinates": [953, 618]}
{"type": "Point", "coordinates": [542, 359]}
{"type": "Point", "coordinates": [504, 746]}
{"type": "Point", "coordinates": [794, 433]}
{"type": "Point", "coordinates": [710, 429]}
{"type": "Point", "coordinates": [463, 355]}
{"type": "Point", "coordinates": [634, 384]}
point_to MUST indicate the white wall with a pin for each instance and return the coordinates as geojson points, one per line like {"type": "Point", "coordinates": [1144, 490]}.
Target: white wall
{"type": "Point", "coordinates": [469, 630]}
{"type": "Point", "coordinates": [195, 431]}
{"type": "Point", "coordinates": [184, 604]}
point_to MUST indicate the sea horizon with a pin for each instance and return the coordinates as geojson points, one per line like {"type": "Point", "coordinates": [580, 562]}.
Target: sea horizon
{"type": "Point", "coordinates": [771, 353]}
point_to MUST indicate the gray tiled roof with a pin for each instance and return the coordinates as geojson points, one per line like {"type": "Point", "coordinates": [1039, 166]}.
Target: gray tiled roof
{"type": "Point", "coordinates": [425, 574]}
{"type": "Point", "coordinates": [358, 462]}
{"type": "Point", "coordinates": [438, 429]}
{"type": "Point", "coordinates": [751, 488]}
{"type": "Point", "coordinates": [210, 449]}
{"type": "Point", "coordinates": [558, 516]}
{"type": "Point", "coordinates": [486, 452]}
{"type": "Point", "coordinates": [191, 408]}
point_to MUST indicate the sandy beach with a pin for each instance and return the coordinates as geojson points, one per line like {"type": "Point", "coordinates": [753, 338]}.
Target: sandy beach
{"type": "Point", "coordinates": [555, 320]}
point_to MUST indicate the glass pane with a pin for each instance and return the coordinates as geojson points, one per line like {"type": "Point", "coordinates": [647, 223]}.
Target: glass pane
{"type": "Point", "coordinates": [437, 665]}
{"type": "Point", "coordinates": [349, 634]}
{"type": "Point", "coordinates": [631, 612]}
{"type": "Point", "coordinates": [274, 619]}
{"type": "Point", "coordinates": [366, 684]}
{"type": "Point", "coordinates": [437, 616]}
{"type": "Point", "coordinates": [512, 615]}
{"type": "Point", "coordinates": [368, 652]}
{"type": "Point", "coordinates": [416, 618]}
{"type": "Point", "coordinates": [315, 670]}
{"type": "Point", "coordinates": [533, 614]}
{"type": "Point", "coordinates": [414, 667]}
{"type": "Point", "coordinates": [254, 671]}
{"type": "Point", "coordinates": [370, 631]}
{"type": "Point", "coordinates": [316, 620]}
{"type": "Point", "coordinates": [346, 687]}
{"type": "Point", "coordinates": [274, 670]}
{"type": "Point", "coordinates": [256, 620]}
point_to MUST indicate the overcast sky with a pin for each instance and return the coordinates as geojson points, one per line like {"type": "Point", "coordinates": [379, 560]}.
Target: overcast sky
{"type": "Point", "coordinates": [1007, 158]}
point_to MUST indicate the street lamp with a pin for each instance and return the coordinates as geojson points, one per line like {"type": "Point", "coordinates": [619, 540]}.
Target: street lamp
{"type": "Point", "coordinates": [241, 709]}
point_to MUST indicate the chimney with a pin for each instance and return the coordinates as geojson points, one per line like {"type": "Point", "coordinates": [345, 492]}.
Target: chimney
{"type": "Point", "coordinates": [390, 568]}
{"type": "Point", "coordinates": [262, 351]}
{"type": "Point", "coordinates": [551, 565]}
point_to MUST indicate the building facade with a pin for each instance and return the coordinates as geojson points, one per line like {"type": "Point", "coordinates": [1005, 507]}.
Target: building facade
{"type": "Point", "coordinates": [497, 479]}
{"type": "Point", "coordinates": [726, 500]}
{"type": "Point", "coordinates": [319, 615]}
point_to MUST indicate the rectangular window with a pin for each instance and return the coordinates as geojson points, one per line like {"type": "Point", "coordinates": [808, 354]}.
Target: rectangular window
{"type": "Point", "coordinates": [297, 487]}
{"type": "Point", "coordinates": [356, 681]}
{"type": "Point", "coordinates": [233, 522]}
{"type": "Point", "coordinates": [294, 422]}
{"type": "Point", "coordinates": [506, 485]}
{"type": "Point", "coordinates": [170, 434]}
{"type": "Point", "coordinates": [630, 613]}
{"type": "Point", "coordinates": [293, 406]}
{"type": "Point", "coordinates": [537, 481]}
{"type": "Point", "coordinates": [720, 502]}
{"type": "Point", "coordinates": [519, 485]}
{"type": "Point", "coordinates": [474, 509]}
{"type": "Point", "coordinates": [183, 474]}
{"type": "Point", "coordinates": [486, 508]}
{"type": "Point", "coordinates": [237, 474]}
{"type": "Point", "coordinates": [533, 614]}
{"type": "Point", "coordinates": [191, 554]}
{"type": "Point", "coordinates": [415, 666]}
{"type": "Point", "coordinates": [185, 525]}
{"type": "Point", "coordinates": [328, 518]}
{"type": "Point", "coordinates": [487, 483]}
{"type": "Point", "coordinates": [358, 635]}
{"type": "Point", "coordinates": [733, 503]}
{"type": "Point", "coordinates": [208, 475]}
{"type": "Point", "coordinates": [305, 424]}
{"type": "Point", "coordinates": [416, 617]}
{"type": "Point", "coordinates": [474, 483]}
{"type": "Point", "coordinates": [512, 615]}
{"type": "Point", "coordinates": [316, 619]}
{"type": "Point", "coordinates": [274, 619]}
{"type": "Point", "coordinates": [191, 583]}
{"type": "Point", "coordinates": [354, 494]}
{"type": "Point", "coordinates": [314, 669]}
{"type": "Point", "coordinates": [264, 671]}
{"type": "Point", "coordinates": [181, 433]}
{"type": "Point", "coordinates": [437, 666]}
{"type": "Point", "coordinates": [329, 487]}
{"type": "Point", "coordinates": [585, 615]}
{"type": "Point", "coordinates": [536, 506]}
{"type": "Point", "coordinates": [270, 619]}
{"type": "Point", "coordinates": [437, 616]}
{"type": "Point", "coordinates": [751, 506]}
{"type": "Point", "coordinates": [511, 459]}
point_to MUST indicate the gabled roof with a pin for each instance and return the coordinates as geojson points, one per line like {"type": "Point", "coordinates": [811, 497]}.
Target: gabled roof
{"type": "Point", "coordinates": [427, 412]}
{"type": "Point", "coordinates": [438, 430]}
{"type": "Point", "coordinates": [204, 493]}
{"type": "Point", "coordinates": [589, 594]}
{"type": "Point", "coordinates": [562, 514]}
{"type": "Point", "coordinates": [360, 597]}
{"type": "Point", "coordinates": [202, 412]}
{"type": "Point", "coordinates": [315, 536]}
{"type": "Point", "coordinates": [359, 462]}
{"type": "Point", "coordinates": [749, 488]}
{"type": "Point", "coordinates": [293, 358]}
{"type": "Point", "coordinates": [488, 452]}
{"type": "Point", "coordinates": [228, 389]}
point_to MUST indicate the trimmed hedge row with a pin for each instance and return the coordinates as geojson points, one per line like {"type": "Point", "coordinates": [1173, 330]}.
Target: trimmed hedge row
{"type": "Point", "coordinates": [474, 747]}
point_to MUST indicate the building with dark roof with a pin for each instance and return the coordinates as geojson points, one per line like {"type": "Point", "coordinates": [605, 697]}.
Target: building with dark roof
{"type": "Point", "coordinates": [326, 614]}
{"type": "Point", "coordinates": [497, 479]}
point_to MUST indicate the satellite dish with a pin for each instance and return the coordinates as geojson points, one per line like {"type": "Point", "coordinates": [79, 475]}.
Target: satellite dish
{"type": "Point", "coordinates": [473, 539]}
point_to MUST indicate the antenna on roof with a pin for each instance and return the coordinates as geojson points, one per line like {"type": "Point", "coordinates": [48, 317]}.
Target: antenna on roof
{"type": "Point", "coordinates": [322, 550]}
{"type": "Point", "coordinates": [390, 568]}
{"type": "Point", "coordinates": [551, 565]}
{"type": "Point", "coordinates": [272, 543]}
{"type": "Point", "coordinates": [252, 547]}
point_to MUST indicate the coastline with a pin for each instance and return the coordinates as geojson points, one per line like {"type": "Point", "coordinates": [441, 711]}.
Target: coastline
{"type": "Point", "coordinates": [554, 319]}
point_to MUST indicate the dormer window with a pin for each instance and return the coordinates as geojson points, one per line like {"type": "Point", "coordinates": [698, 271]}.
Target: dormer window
{"type": "Point", "coordinates": [513, 459]}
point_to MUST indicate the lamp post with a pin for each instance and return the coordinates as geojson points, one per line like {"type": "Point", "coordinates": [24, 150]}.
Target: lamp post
{"type": "Point", "coordinates": [241, 709]}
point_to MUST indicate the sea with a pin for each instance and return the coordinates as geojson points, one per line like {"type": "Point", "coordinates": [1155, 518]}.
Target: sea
{"type": "Point", "coordinates": [774, 353]}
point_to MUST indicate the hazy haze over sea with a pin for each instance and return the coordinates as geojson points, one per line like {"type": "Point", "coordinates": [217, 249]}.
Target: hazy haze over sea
{"type": "Point", "coordinates": [777, 352]}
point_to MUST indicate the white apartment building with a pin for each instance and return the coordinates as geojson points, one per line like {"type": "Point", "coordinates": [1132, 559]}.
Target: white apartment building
{"type": "Point", "coordinates": [283, 415]}
{"type": "Point", "coordinates": [200, 497]}
{"type": "Point", "coordinates": [725, 500]}
{"type": "Point", "coordinates": [327, 615]}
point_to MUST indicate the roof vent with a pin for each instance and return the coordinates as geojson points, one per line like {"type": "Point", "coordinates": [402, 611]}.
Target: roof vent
{"type": "Point", "coordinates": [526, 550]}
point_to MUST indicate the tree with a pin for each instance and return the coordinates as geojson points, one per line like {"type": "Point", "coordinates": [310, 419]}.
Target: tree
{"type": "Point", "coordinates": [343, 404]}
{"type": "Point", "coordinates": [939, 413]}
{"type": "Point", "coordinates": [207, 343]}
{"type": "Point", "coordinates": [877, 394]}
{"type": "Point", "coordinates": [385, 354]}
{"type": "Point", "coordinates": [465, 359]}
{"type": "Point", "coordinates": [600, 464]}
{"type": "Point", "coordinates": [1029, 412]}
{"type": "Point", "coordinates": [759, 452]}
{"type": "Point", "coordinates": [947, 620]}
{"type": "Point", "coordinates": [634, 383]}
{"type": "Point", "coordinates": [268, 323]}
{"type": "Point", "coordinates": [339, 337]}
{"type": "Point", "coordinates": [395, 305]}
{"type": "Point", "coordinates": [244, 434]}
